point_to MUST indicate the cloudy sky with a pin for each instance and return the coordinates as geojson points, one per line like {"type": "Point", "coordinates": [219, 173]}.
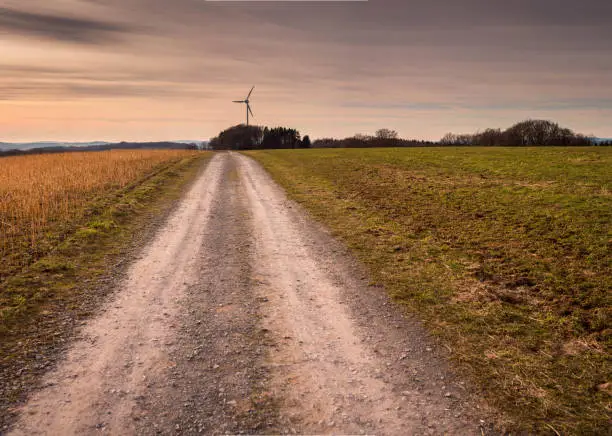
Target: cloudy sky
{"type": "Point", "coordinates": [169, 69]}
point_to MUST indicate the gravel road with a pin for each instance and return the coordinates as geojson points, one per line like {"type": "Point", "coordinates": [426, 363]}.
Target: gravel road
{"type": "Point", "coordinates": [244, 316]}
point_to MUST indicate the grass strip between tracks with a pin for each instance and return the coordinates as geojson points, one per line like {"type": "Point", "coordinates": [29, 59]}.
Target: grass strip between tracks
{"type": "Point", "coordinates": [503, 252]}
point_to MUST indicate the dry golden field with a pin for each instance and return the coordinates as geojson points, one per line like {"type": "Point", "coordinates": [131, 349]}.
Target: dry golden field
{"type": "Point", "coordinates": [41, 193]}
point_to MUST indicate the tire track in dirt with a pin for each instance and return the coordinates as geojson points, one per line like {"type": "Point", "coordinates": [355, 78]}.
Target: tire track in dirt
{"type": "Point", "coordinates": [346, 360]}
{"type": "Point", "coordinates": [105, 371]}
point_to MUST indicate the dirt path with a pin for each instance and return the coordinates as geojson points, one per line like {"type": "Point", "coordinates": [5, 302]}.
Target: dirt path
{"type": "Point", "coordinates": [243, 316]}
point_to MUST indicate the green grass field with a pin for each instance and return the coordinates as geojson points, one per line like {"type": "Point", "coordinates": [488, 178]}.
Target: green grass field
{"type": "Point", "coordinates": [503, 252]}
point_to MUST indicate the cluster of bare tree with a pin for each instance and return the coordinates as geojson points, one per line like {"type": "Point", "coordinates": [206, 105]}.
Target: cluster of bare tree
{"type": "Point", "coordinates": [525, 133]}
{"type": "Point", "coordinates": [243, 137]}
{"type": "Point", "coordinates": [382, 138]}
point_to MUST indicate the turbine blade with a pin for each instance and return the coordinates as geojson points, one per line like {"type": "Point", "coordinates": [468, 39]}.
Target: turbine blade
{"type": "Point", "coordinates": [249, 108]}
{"type": "Point", "coordinates": [250, 92]}
{"type": "Point", "coordinates": [239, 101]}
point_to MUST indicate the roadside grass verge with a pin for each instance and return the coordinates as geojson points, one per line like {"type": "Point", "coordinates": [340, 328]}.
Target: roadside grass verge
{"type": "Point", "coordinates": [41, 303]}
{"type": "Point", "coordinates": [503, 252]}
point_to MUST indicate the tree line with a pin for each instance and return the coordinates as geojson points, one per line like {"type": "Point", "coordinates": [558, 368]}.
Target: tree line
{"type": "Point", "coordinates": [243, 137]}
{"type": "Point", "coordinates": [525, 133]}
{"type": "Point", "coordinates": [382, 138]}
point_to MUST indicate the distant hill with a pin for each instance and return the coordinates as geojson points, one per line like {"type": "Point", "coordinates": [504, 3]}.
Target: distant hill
{"type": "Point", "coordinates": [187, 141]}
{"type": "Point", "coordinates": [61, 147]}
{"type": "Point", "coordinates": [600, 140]}
{"type": "Point", "coordinates": [46, 144]}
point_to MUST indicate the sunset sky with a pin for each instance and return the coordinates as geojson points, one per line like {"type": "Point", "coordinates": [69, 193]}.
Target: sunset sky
{"type": "Point", "coordinates": [81, 70]}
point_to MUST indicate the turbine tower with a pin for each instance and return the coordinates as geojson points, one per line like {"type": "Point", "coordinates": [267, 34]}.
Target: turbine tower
{"type": "Point", "coordinates": [248, 106]}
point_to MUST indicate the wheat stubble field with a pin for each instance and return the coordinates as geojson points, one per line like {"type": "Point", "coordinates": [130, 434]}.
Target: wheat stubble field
{"type": "Point", "coordinates": [504, 252]}
{"type": "Point", "coordinates": [42, 195]}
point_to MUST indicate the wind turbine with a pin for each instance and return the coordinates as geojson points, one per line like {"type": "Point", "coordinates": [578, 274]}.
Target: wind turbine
{"type": "Point", "coordinates": [248, 106]}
